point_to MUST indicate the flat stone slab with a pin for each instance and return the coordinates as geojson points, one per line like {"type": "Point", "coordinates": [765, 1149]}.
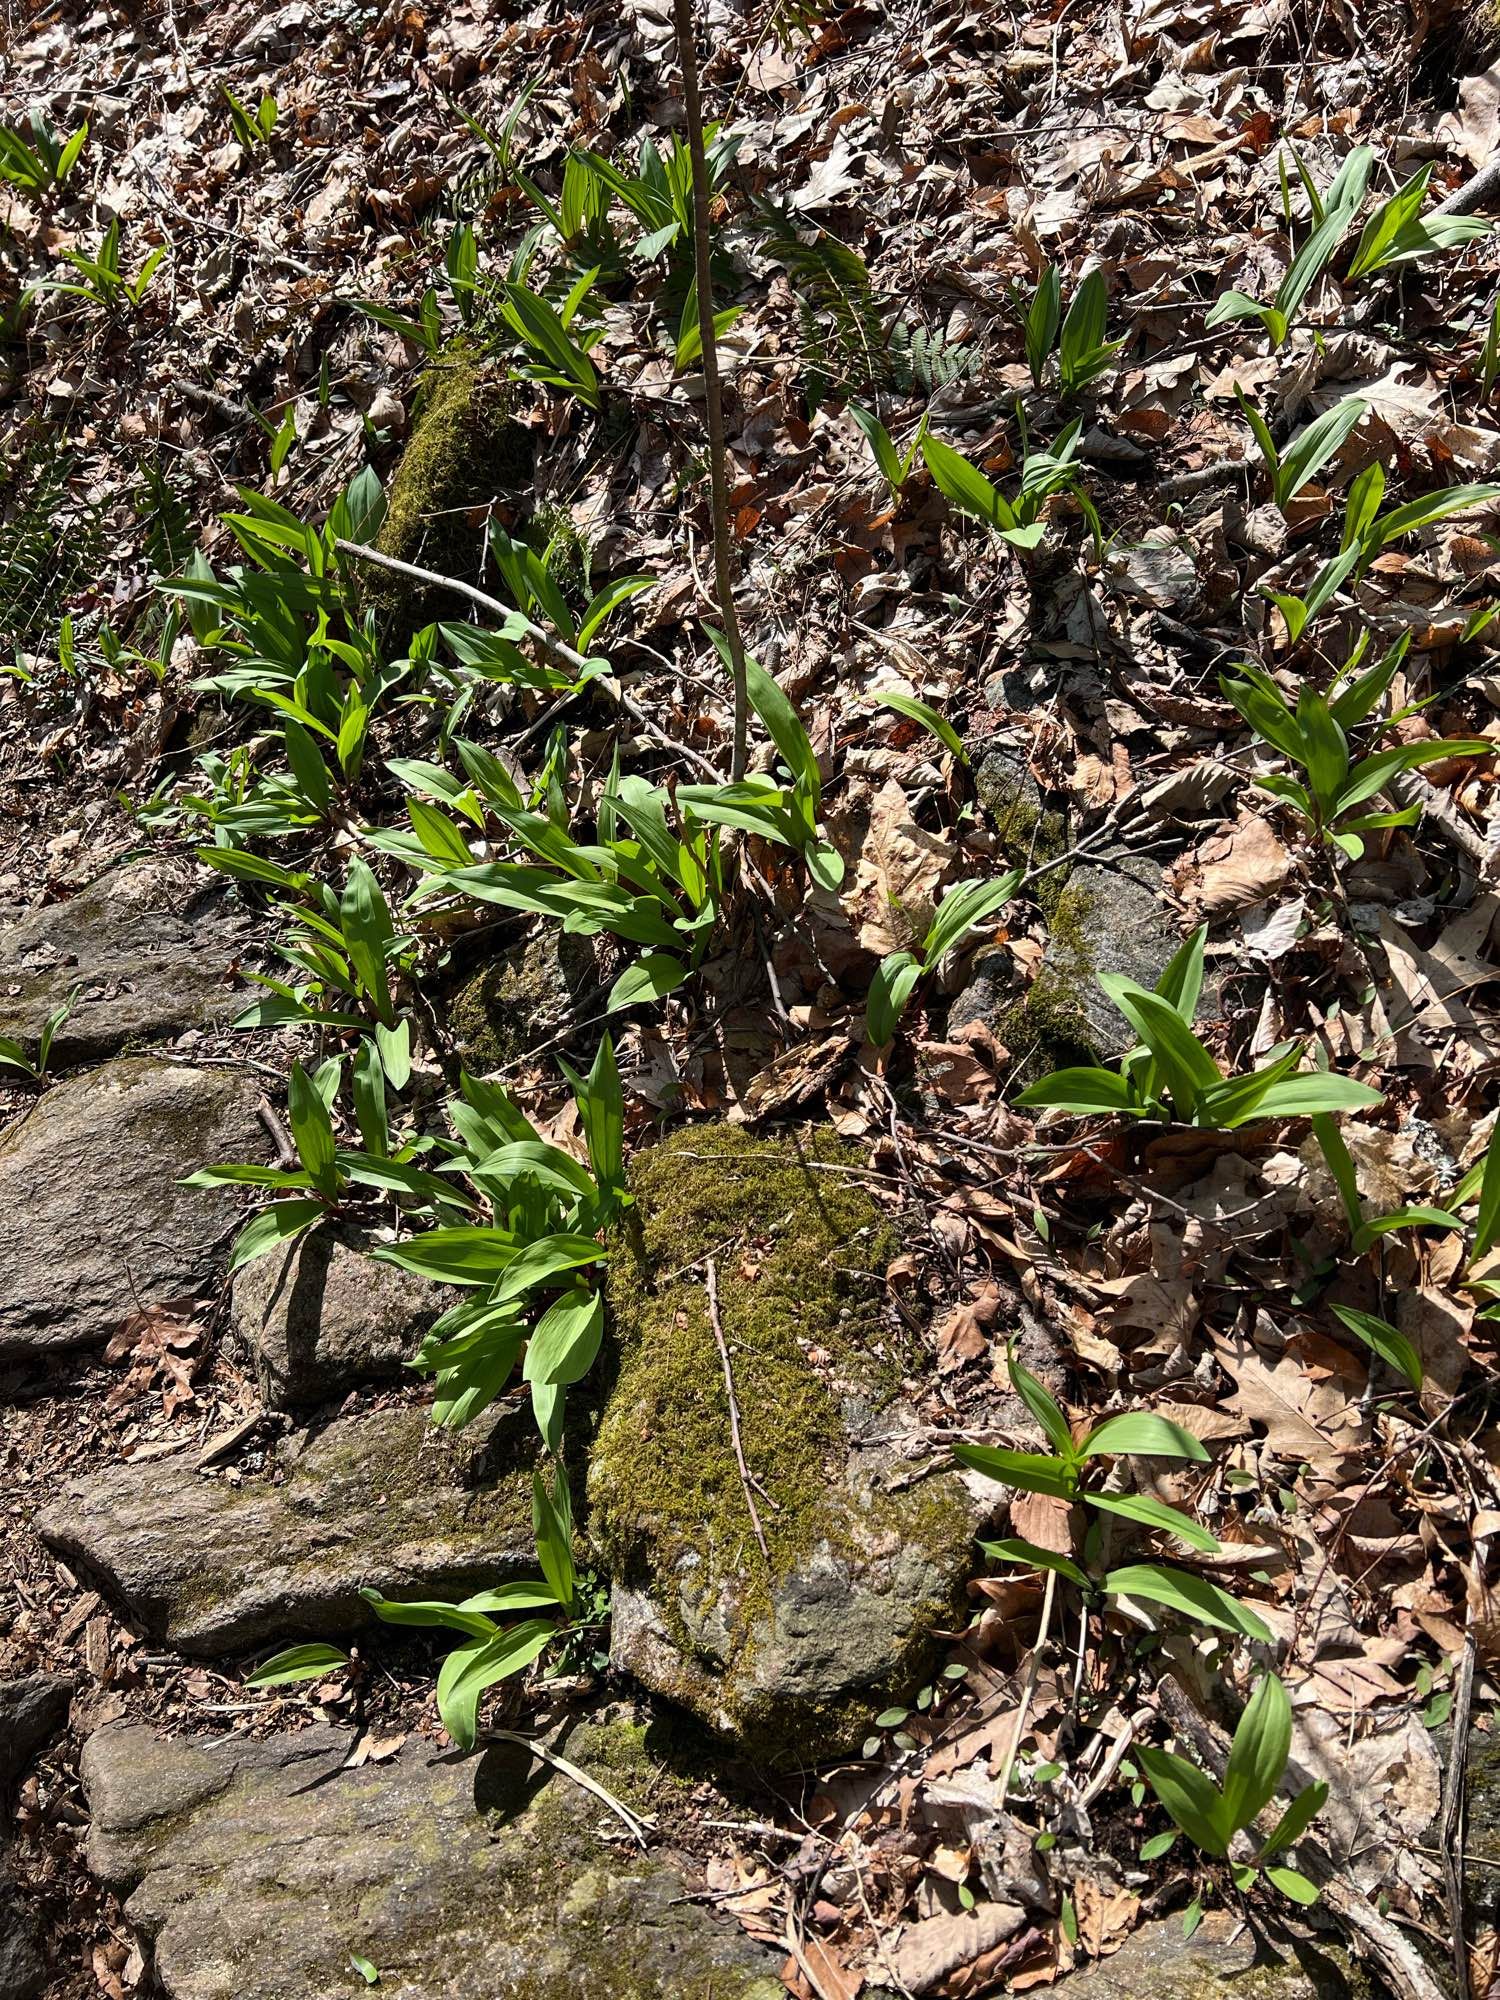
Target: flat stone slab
{"type": "Point", "coordinates": [318, 1316]}
{"type": "Point", "coordinates": [92, 1219]}
{"type": "Point", "coordinates": [213, 1566]}
{"type": "Point", "coordinates": [1222, 1960]}
{"type": "Point", "coordinates": [147, 969]}
{"type": "Point", "coordinates": [258, 1868]}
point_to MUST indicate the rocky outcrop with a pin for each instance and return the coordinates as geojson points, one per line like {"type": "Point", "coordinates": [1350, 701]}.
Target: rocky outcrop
{"type": "Point", "coordinates": [520, 998]}
{"type": "Point", "coordinates": [212, 1565]}
{"type": "Point", "coordinates": [257, 1869]}
{"type": "Point", "coordinates": [146, 962]}
{"type": "Point", "coordinates": [1109, 918]}
{"type": "Point", "coordinates": [32, 1710]}
{"type": "Point", "coordinates": [1224, 1959]}
{"type": "Point", "coordinates": [318, 1316]}
{"type": "Point", "coordinates": [793, 1650]}
{"type": "Point", "coordinates": [92, 1219]}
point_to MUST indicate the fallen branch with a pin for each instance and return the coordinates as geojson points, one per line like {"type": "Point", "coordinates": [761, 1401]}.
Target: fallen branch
{"type": "Point", "coordinates": [717, 1324]}
{"type": "Point", "coordinates": [1476, 192]}
{"type": "Point", "coordinates": [1451, 1839]}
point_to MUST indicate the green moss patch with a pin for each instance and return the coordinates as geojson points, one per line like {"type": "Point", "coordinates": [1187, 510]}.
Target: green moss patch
{"type": "Point", "coordinates": [466, 450]}
{"type": "Point", "coordinates": [803, 1648]}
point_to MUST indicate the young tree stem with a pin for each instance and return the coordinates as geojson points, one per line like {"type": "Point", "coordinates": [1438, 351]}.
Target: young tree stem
{"type": "Point", "coordinates": [682, 13]}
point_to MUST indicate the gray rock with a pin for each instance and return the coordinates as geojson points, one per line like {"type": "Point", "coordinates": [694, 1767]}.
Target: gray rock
{"type": "Point", "coordinates": [793, 1650]}
{"type": "Point", "coordinates": [91, 1215]}
{"type": "Point", "coordinates": [1110, 918]}
{"type": "Point", "coordinates": [146, 969]}
{"type": "Point", "coordinates": [521, 998]}
{"type": "Point", "coordinates": [23, 1968]}
{"type": "Point", "coordinates": [1222, 1960]}
{"type": "Point", "coordinates": [213, 1565]}
{"type": "Point", "coordinates": [318, 1315]}
{"type": "Point", "coordinates": [32, 1710]}
{"type": "Point", "coordinates": [257, 1868]}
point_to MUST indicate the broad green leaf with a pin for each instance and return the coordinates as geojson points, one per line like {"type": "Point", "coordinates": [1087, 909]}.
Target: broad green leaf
{"type": "Point", "coordinates": [1314, 447]}
{"type": "Point", "coordinates": [1340, 1164]}
{"type": "Point", "coordinates": [1144, 1434]}
{"type": "Point", "coordinates": [1186, 1066]}
{"type": "Point", "coordinates": [1157, 1514]}
{"type": "Point", "coordinates": [1034, 1557]}
{"type": "Point", "coordinates": [1295, 1821]}
{"type": "Point", "coordinates": [965, 485]}
{"type": "Point", "coordinates": [925, 716]}
{"type": "Point", "coordinates": [1080, 1091]}
{"type": "Point", "coordinates": [1031, 1471]}
{"type": "Point", "coordinates": [965, 905]}
{"type": "Point", "coordinates": [1386, 1340]}
{"type": "Point", "coordinates": [283, 1219]}
{"type": "Point", "coordinates": [1188, 1794]}
{"type": "Point", "coordinates": [1315, 1091]}
{"type": "Point", "coordinates": [1181, 982]}
{"type": "Point", "coordinates": [650, 978]}
{"type": "Point", "coordinates": [472, 1668]}
{"type": "Point", "coordinates": [1043, 1407]}
{"type": "Point", "coordinates": [552, 1521]}
{"type": "Point", "coordinates": [543, 1263]}
{"type": "Point", "coordinates": [312, 1132]}
{"type": "Point", "coordinates": [890, 990]}
{"type": "Point", "coordinates": [1258, 1754]}
{"type": "Point", "coordinates": [566, 1339]}
{"type": "Point", "coordinates": [297, 1663]}
{"type": "Point", "coordinates": [1193, 1596]}
{"type": "Point", "coordinates": [1293, 1885]}
{"type": "Point", "coordinates": [466, 1254]}
{"type": "Point", "coordinates": [466, 1617]}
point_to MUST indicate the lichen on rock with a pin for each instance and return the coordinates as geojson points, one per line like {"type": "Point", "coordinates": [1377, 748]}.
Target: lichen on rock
{"type": "Point", "coordinates": [801, 1650]}
{"type": "Point", "coordinates": [520, 998]}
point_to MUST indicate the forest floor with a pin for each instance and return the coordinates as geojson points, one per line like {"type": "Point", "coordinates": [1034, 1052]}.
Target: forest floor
{"type": "Point", "coordinates": [339, 193]}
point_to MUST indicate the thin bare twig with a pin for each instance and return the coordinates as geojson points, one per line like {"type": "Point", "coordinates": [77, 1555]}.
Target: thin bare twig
{"type": "Point", "coordinates": [637, 1827]}
{"type": "Point", "coordinates": [1028, 1689]}
{"type": "Point", "coordinates": [712, 1274]}
{"type": "Point", "coordinates": [1451, 1839]}
{"type": "Point", "coordinates": [687, 50]}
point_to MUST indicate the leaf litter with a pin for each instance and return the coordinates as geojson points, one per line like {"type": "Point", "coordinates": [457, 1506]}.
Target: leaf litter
{"type": "Point", "coordinates": [960, 151]}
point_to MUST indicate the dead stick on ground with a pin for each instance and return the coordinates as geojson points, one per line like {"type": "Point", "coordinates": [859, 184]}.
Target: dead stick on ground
{"type": "Point", "coordinates": [687, 51]}
{"type": "Point", "coordinates": [1452, 1838]}
{"type": "Point", "coordinates": [623, 1813]}
{"type": "Point", "coordinates": [1032, 1668]}
{"type": "Point", "coordinates": [734, 1409]}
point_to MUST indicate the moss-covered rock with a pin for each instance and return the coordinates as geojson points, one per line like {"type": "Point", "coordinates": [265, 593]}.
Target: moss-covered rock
{"type": "Point", "coordinates": [466, 451]}
{"type": "Point", "coordinates": [255, 1869]}
{"type": "Point", "coordinates": [502, 1011]}
{"type": "Point", "coordinates": [796, 1653]}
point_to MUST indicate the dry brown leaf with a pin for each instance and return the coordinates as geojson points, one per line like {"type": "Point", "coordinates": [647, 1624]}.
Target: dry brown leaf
{"type": "Point", "coordinates": [1243, 865]}
{"type": "Point", "coordinates": [938, 1946]}
{"type": "Point", "coordinates": [901, 868]}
